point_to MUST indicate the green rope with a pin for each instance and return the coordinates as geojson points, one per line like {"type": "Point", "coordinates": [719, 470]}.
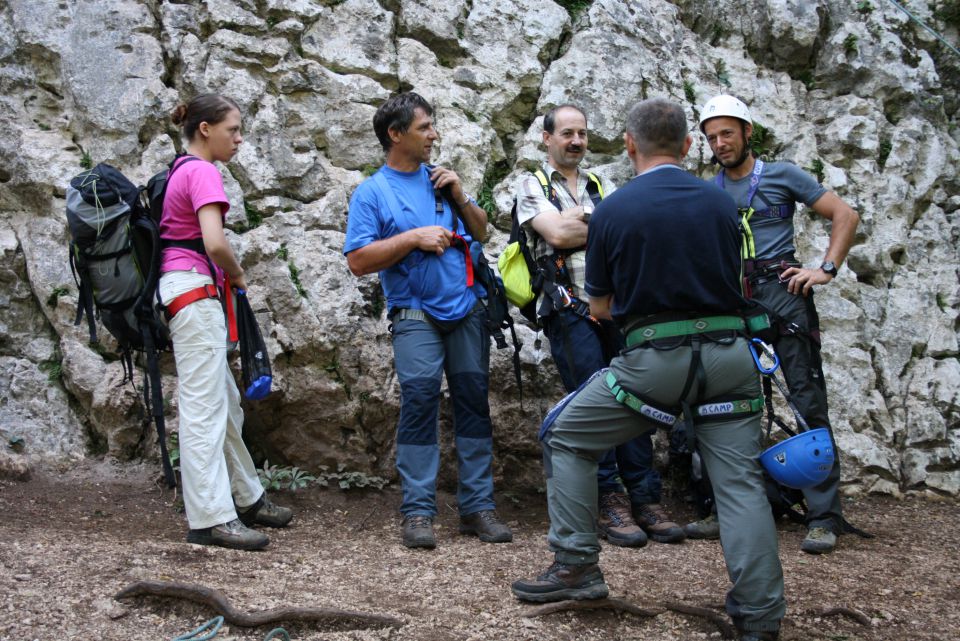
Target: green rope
{"type": "Point", "coordinates": [917, 20]}
{"type": "Point", "coordinates": [214, 625]}
{"type": "Point", "coordinates": [198, 635]}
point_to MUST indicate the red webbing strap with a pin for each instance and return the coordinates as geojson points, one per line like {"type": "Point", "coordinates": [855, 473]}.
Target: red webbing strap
{"type": "Point", "coordinates": [460, 243]}
{"type": "Point", "coordinates": [232, 334]}
{"type": "Point", "coordinates": [192, 296]}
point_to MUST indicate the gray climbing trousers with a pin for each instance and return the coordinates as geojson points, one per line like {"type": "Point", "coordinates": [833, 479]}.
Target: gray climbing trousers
{"type": "Point", "coordinates": [593, 421]}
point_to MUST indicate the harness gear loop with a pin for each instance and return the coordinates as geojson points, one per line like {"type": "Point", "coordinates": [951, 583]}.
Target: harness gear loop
{"type": "Point", "coordinates": [636, 403]}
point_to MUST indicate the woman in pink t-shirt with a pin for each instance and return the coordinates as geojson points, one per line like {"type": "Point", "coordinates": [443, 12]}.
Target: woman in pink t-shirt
{"type": "Point", "coordinates": [221, 491]}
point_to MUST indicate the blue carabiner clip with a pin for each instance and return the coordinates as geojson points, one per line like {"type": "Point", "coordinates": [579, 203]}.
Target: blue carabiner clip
{"type": "Point", "coordinates": [768, 351]}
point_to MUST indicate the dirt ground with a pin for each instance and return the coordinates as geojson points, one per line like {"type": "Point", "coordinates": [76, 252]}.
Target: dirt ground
{"type": "Point", "coordinates": [70, 541]}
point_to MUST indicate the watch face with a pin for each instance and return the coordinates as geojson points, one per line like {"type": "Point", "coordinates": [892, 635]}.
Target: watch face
{"type": "Point", "coordinates": [829, 268]}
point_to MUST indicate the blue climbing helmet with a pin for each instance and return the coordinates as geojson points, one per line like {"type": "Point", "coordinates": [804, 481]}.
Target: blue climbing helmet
{"type": "Point", "coordinates": [801, 461]}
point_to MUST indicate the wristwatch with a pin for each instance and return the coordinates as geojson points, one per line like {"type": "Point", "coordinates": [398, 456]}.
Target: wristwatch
{"type": "Point", "coordinates": [829, 268]}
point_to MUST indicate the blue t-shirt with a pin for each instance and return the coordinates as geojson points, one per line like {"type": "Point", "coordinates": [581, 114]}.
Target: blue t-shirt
{"type": "Point", "coordinates": [422, 280]}
{"type": "Point", "coordinates": [781, 183]}
{"type": "Point", "coordinates": [665, 242]}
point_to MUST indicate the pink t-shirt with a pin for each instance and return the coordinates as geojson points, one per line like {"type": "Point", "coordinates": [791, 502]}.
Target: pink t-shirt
{"type": "Point", "coordinates": [194, 184]}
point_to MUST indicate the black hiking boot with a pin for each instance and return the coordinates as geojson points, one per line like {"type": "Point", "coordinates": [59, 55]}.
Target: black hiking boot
{"type": "Point", "coordinates": [417, 531]}
{"type": "Point", "coordinates": [265, 512]}
{"type": "Point", "coordinates": [486, 525]}
{"type": "Point", "coordinates": [234, 535]}
{"type": "Point", "coordinates": [561, 582]}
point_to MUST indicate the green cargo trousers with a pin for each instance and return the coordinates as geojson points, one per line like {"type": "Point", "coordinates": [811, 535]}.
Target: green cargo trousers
{"type": "Point", "coordinates": [593, 421]}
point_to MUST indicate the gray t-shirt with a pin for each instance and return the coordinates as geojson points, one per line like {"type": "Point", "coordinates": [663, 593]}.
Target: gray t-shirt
{"type": "Point", "coordinates": [781, 183]}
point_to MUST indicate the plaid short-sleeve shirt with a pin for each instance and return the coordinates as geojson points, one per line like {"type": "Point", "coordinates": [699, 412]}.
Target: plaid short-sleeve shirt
{"type": "Point", "coordinates": [531, 202]}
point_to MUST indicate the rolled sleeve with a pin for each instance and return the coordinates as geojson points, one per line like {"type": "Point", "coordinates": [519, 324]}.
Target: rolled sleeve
{"type": "Point", "coordinates": [530, 199]}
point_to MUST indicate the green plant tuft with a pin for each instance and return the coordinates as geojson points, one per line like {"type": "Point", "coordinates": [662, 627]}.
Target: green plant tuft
{"type": "Point", "coordinates": [283, 252]}
{"type": "Point", "coordinates": [85, 160]}
{"type": "Point", "coordinates": [885, 148]}
{"type": "Point", "coordinates": [491, 178]}
{"type": "Point", "coordinates": [689, 92]}
{"type": "Point", "coordinates": [53, 369]}
{"type": "Point", "coordinates": [346, 480]}
{"type": "Point", "coordinates": [850, 44]}
{"type": "Point", "coordinates": [864, 7]}
{"type": "Point", "coordinates": [760, 140]}
{"type": "Point", "coordinates": [720, 68]}
{"type": "Point", "coordinates": [806, 77]}
{"type": "Point", "coordinates": [55, 295]}
{"type": "Point", "coordinates": [816, 168]}
{"type": "Point", "coordinates": [295, 279]}
{"type": "Point", "coordinates": [254, 217]}
{"type": "Point", "coordinates": [575, 7]}
{"type": "Point", "coordinates": [173, 450]}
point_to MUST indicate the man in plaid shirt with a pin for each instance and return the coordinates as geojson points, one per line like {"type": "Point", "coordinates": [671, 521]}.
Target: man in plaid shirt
{"type": "Point", "coordinates": [554, 205]}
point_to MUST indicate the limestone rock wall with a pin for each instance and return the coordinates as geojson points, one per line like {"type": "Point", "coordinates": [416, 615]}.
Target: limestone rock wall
{"type": "Point", "coordinates": [854, 91]}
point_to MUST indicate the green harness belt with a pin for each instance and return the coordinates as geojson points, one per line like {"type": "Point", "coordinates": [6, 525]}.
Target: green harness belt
{"type": "Point", "coordinates": [672, 329]}
{"type": "Point", "coordinates": [716, 409]}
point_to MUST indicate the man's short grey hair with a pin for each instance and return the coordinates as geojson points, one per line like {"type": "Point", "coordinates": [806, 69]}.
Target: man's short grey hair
{"type": "Point", "coordinates": [658, 127]}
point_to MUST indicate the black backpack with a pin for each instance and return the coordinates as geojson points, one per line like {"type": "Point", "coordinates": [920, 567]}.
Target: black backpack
{"type": "Point", "coordinates": [115, 252]}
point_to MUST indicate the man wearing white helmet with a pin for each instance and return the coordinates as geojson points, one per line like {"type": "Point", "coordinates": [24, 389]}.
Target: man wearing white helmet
{"type": "Point", "coordinates": [767, 193]}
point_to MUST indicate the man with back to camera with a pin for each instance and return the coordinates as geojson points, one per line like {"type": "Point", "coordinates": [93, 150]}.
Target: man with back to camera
{"type": "Point", "coordinates": [554, 204]}
{"type": "Point", "coordinates": [662, 262]}
{"type": "Point", "coordinates": [401, 226]}
{"type": "Point", "coordinates": [767, 193]}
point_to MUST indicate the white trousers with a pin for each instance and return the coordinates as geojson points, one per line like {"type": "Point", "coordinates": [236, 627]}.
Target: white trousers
{"type": "Point", "coordinates": [215, 466]}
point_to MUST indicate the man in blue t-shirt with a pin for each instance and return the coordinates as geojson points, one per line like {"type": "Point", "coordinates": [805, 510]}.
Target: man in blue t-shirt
{"type": "Point", "coordinates": [766, 194]}
{"type": "Point", "coordinates": [662, 263]}
{"type": "Point", "coordinates": [401, 224]}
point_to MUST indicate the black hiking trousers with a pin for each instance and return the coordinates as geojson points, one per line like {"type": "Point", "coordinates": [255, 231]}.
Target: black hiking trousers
{"type": "Point", "coordinates": [798, 346]}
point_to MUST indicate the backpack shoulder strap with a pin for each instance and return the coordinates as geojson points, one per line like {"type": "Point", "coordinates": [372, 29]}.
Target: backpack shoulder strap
{"type": "Point", "coordinates": [386, 191]}
{"type": "Point", "coordinates": [548, 191]}
{"type": "Point", "coordinates": [594, 188]}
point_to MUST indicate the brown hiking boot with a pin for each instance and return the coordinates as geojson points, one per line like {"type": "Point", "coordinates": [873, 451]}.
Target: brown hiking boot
{"type": "Point", "coordinates": [234, 535]}
{"type": "Point", "coordinates": [417, 531]}
{"type": "Point", "coordinates": [486, 525]}
{"type": "Point", "coordinates": [561, 582]}
{"type": "Point", "coordinates": [265, 512]}
{"type": "Point", "coordinates": [657, 524]}
{"type": "Point", "coordinates": [616, 524]}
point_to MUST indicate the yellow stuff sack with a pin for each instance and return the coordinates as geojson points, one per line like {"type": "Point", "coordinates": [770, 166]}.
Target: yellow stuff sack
{"type": "Point", "coordinates": [516, 275]}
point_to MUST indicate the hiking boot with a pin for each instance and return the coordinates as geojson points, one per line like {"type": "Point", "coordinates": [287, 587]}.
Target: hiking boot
{"type": "Point", "coordinates": [616, 524]}
{"type": "Point", "coordinates": [265, 512]}
{"type": "Point", "coordinates": [754, 635]}
{"type": "Point", "coordinates": [486, 525]}
{"type": "Point", "coordinates": [234, 535]}
{"type": "Point", "coordinates": [655, 522]}
{"type": "Point", "coordinates": [819, 540]}
{"type": "Point", "coordinates": [708, 528]}
{"type": "Point", "coordinates": [561, 582]}
{"type": "Point", "coordinates": [417, 531]}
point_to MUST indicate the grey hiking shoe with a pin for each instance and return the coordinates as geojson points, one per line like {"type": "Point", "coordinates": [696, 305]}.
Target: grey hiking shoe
{"type": "Point", "coordinates": [657, 524]}
{"type": "Point", "coordinates": [234, 535]}
{"type": "Point", "coordinates": [616, 524]}
{"type": "Point", "coordinates": [561, 582]}
{"type": "Point", "coordinates": [819, 540]}
{"type": "Point", "coordinates": [486, 525]}
{"type": "Point", "coordinates": [265, 512]}
{"type": "Point", "coordinates": [708, 528]}
{"type": "Point", "coordinates": [416, 531]}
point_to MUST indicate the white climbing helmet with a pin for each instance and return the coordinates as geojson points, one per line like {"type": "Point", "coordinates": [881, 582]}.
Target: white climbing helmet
{"type": "Point", "coordinates": [724, 105]}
